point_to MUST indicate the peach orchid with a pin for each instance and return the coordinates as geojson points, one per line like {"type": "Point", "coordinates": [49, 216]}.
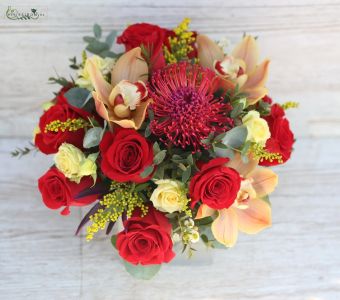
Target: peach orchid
{"type": "Point", "coordinates": [241, 67]}
{"type": "Point", "coordinates": [249, 213]}
{"type": "Point", "coordinates": [124, 101]}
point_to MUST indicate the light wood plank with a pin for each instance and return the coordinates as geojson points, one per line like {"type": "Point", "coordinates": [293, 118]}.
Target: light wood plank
{"type": "Point", "coordinates": [302, 39]}
{"type": "Point", "coordinates": [296, 259]}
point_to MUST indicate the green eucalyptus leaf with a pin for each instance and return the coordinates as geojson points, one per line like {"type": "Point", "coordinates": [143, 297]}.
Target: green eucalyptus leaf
{"type": "Point", "coordinates": [147, 131]}
{"type": "Point", "coordinates": [97, 30]}
{"type": "Point", "coordinates": [237, 110]}
{"type": "Point", "coordinates": [220, 137]}
{"type": "Point", "coordinates": [221, 146]}
{"type": "Point", "coordinates": [78, 97]}
{"type": "Point", "coordinates": [156, 148]}
{"type": "Point", "coordinates": [190, 159]}
{"type": "Point", "coordinates": [141, 187]}
{"type": "Point", "coordinates": [140, 271]}
{"type": "Point", "coordinates": [159, 157]}
{"type": "Point", "coordinates": [235, 137]}
{"type": "Point", "coordinates": [111, 38]}
{"type": "Point", "coordinates": [108, 53]}
{"type": "Point", "coordinates": [206, 141]}
{"type": "Point", "coordinates": [151, 114]}
{"type": "Point", "coordinates": [178, 159]}
{"type": "Point", "coordinates": [186, 174]}
{"type": "Point", "coordinates": [92, 137]}
{"type": "Point", "coordinates": [147, 171]}
{"type": "Point", "coordinates": [89, 39]}
{"type": "Point", "coordinates": [114, 241]}
{"type": "Point", "coordinates": [159, 174]}
{"type": "Point", "coordinates": [97, 47]}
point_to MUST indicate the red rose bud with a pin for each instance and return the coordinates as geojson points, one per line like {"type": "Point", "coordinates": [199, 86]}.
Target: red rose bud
{"type": "Point", "coordinates": [216, 185]}
{"type": "Point", "coordinates": [152, 37]}
{"type": "Point", "coordinates": [146, 240]}
{"type": "Point", "coordinates": [57, 191]}
{"type": "Point", "coordinates": [282, 138]}
{"type": "Point", "coordinates": [59, 124]}
{"type": "Point", "coordinates": [125, 155]}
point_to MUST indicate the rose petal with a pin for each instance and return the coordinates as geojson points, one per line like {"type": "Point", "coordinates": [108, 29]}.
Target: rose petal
{"type": "Point", "coordinates": [265, 181]}
{"type": "Point", "coordinates": [130, 66]}
{"type": "Point", "coordinates": [255, 218]}
{"type": "Point", "coordinates": [248, 51]}
{"type": "Point", "coordinates": [208, 51]}
{"type": "Point", "coordinates": [225, 228]}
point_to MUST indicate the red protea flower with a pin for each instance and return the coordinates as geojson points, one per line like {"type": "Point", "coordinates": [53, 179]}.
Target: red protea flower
{"type": "Point", "coordinates": [185, 109]}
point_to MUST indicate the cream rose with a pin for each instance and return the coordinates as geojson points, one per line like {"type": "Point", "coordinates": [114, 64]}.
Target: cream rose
{"type": "Point", "coordinates": [258, 129]}
{"type": "Point", "coordinates": [169, 196]}
{"type": "Point", "coordinates": [105, 66]}
{"type": "Point", "coordinates": [72, 162]}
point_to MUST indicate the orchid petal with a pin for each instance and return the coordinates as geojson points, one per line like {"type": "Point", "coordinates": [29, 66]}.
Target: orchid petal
{"type": "Point", "coordinates": [100, 107]}
{"type": "Point", "coordinates": [259, 77]}
{"type": "Point", "coordinates": [208, 51]}
{"type": "Point", "coordinates": [243, 168]}
{"type": "Point", "coordinates": [264, 181]}
{"type": "Point", "coordinates": [248, 51]}
{"type": "Point", "coordinates": [255, 218]}
{"type": "Point", "coordinates": [130, 66]}
{"type": "Point", "coordinates": [204, 211]}
{"type": "Point", "coordinates": [138, 116]}
{"type": "Point", "coordinates": [225, 228]}
{"type": "Point", "coordinates": [101, 86]}
{"type": "Point", "coordinates": [241, 80]}
{"type": "Point", "coordinates": [254, 95]}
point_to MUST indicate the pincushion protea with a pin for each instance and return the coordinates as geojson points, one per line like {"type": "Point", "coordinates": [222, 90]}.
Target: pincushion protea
{"type": "Point", "coordinates": [185, 109]}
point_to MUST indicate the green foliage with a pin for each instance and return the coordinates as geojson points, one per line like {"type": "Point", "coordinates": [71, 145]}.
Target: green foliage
{"type": "Point", "coordinates": [140, 271]}
{"type": "Point", "coordinates": [100, 47]}
{"type": "Point", "coordinates": [263, 108]}
{"type": "Point", "coordinates": [114, 241]}
{"type": "Point", "coordinates": [59, 80]}
{"type": "Point", "coordinates": [235, 138]}
{"type": "Point", "coordinates": [80, 98]}
{"type": "Point", "coordinates": [159, 157]}
{"type": "Point", "coordinates": [147, 171]}
{"type": "Point", "coordinates": [74, 65]}
{"type": "Point", "coordinates": [93, 137]}
{"type": "Point", "coordinates": [19, 152]}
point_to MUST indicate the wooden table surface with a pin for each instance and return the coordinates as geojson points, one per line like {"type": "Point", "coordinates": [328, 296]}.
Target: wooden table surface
{"type": "Point", "coordinates": [298, 258]}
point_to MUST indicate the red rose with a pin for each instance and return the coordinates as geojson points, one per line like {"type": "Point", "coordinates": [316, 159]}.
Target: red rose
{"type": "Point", "coordinates": [267, 99]}
{"type": "Point", "coordinates": [216, 185]}
{"type": "Point", "coordinates": [125, 155]}
{"type": "Point", "coordinates": [57, 191]}
{"type": "Point", "coordinates": [49, 142]}
{"type": "Point", "coordinates": [282, 138]}
{"type": "Point", "coordinates": [146, 240]}
{"type": "Point", "coordinates": [150, 36]}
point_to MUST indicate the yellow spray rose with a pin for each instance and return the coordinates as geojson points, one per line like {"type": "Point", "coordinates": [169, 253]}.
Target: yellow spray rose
{"type": "Point", "coordinates": [258, 129]}
{"type": "Point", "coordinates": [72, 162]}
{"type": "Point", "coordinates": [169, 196]}
{"type": "Point", "coordinates": [105, 66]}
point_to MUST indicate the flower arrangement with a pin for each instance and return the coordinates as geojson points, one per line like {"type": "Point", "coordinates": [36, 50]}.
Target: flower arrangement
{"type": "Point", "coordinates": [169, 142]}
